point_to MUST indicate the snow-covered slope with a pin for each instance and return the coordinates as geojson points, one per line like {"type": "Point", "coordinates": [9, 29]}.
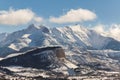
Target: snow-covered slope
{"type": "Point", "coordinates": [80, 36]}
{"type": "Point", "coordinates": [3, 36]}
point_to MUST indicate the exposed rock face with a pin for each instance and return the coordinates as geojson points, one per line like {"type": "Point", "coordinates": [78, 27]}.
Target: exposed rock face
{"type": "Point", "coordinates": [45, 29]}
{"type": "Point", "coordinates": [60, 53]}
{"type": "Point", "coordinates": [37, 58]}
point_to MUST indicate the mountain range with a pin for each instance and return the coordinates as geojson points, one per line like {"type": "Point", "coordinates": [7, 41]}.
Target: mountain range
{"type": "Point", "coordinates": [69, 50]}
{"type": "Point", "coordinates": [68, 37]}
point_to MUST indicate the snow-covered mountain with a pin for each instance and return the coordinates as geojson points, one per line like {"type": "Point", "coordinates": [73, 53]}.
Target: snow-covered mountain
{"type": "Point", "coordinates": [85, 49]}
{"type": "Point", "coordinates": [68, 37]}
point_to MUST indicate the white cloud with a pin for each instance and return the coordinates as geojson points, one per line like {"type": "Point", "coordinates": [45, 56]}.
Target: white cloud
{"type": "Point", "coordinates": [17, 17]}
{"type": "Point", "coordinates": [38, 19]}
{"type": "Point", "coordinates": [113, 30]}
{"type": "Point", "coordinates": [71, 16]}
{"type": "Point", "coordinates": [99, 28]}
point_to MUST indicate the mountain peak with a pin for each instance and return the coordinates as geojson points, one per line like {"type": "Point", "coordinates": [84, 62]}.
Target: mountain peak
{"type": "Point", "coordinates": [41, 27]}
{"type": "Point", "coordinates": [78, 28]}
{"type": "Point", "coordinates": [44, 29]}
{"type": "Point", "coordinates": [31, 26]}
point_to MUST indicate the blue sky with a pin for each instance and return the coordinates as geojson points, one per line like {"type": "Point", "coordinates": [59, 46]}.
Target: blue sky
{"type": "Point", "coordinates": [106, 11]}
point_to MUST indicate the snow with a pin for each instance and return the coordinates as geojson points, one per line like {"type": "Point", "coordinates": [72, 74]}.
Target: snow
{"type": "Point", "coordinates": [1, 58]}
{"type": "Point", "coordinates": [28, 72]}
{"type": "Point", "coordinates": [106, 53]}
{"type": "Point", "coordinates": [81, 36]}
{"type": "Point", "coordinates": [23, 42]}
{"type": "Point", "coordinates": [13, 46]}
{"type": "Point", "coordinates": [14, 68]}
{"type": "Point", "coordinates": [13, 55]}
{"type": "Point", "coordinates": [25, 35]}
{"type": "Point", "coordinates": [67, 68]}
{"type": "Point", "coordinates": [70, 64]}
{"type": "Point", "coordinates": [78, 28]}
{"type": "Point", "coordinates": [18, 46]}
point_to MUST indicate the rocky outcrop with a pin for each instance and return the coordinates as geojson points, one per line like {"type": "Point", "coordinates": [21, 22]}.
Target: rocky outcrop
{"type": "Point", "coordinates": [37, 58]}
{"type": "Point", "coordinates": [59, 53]}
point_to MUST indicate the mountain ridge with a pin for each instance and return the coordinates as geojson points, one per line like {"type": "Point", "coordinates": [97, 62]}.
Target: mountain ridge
{"type": "Point", "coordinates": [76, 36]}
{"type": "Point", "coordinates": [85, 51]}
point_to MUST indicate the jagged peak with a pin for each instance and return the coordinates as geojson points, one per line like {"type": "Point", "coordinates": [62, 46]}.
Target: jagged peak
{"type": "Point", "coordinates": [74, 28]}
{"type": "Point", "coordinates": [44, 29]}
{"type": "Point", "coordinates": [78, 27]}
{"type": "Point", "coordinates": [35, 28]}
{"type": "Point", "coordinates": [31, 26]}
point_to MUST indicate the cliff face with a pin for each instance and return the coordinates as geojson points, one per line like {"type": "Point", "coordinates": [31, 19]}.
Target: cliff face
{"type": "Point", "coordinates": [59, 53]}
{"type": "Point", "coordinates": [37, 58]}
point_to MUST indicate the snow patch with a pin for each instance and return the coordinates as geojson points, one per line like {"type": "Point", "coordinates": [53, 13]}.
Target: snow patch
{"type": "Point", "coordinates": [26, 35]}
